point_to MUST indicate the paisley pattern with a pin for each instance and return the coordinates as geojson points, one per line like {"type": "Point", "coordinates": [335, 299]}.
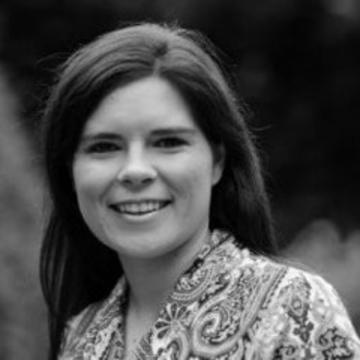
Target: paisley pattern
{"type": "Point", "coordinates": [229, 305]}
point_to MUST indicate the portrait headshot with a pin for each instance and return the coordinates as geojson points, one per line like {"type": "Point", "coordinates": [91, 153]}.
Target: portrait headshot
{"type": "Point", "coordinates": [160, 242]}
{"type": "Point", "coordinates": [179, 180]}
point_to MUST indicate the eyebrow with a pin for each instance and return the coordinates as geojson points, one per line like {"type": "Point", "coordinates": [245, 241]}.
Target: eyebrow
{"type": "Point", "coordinates": [156, 132]}
{"type": "Point", "coordinates": [99, 136]}
{"type": "Point", "coordinates": [174, 130]}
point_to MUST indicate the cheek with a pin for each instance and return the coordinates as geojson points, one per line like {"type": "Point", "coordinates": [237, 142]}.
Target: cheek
{"type": "Point", "coordinates": [89, 180]}
{"type": "Point", "coordinates": [190, 179]}
{"type": "Point", "coordinates": [85, 194]}
{"type": "Point", "coordinates": [82, 183]}
{"type": "Point", "coordinates": [89, 190]}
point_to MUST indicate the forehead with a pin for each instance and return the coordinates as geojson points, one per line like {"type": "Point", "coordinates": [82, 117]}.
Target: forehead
{"type": "Point", "coordinates": [150, 102]}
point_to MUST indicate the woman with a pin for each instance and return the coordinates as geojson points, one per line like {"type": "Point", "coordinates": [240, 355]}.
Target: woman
{"type": "Point", "coordinates": [160, 237]}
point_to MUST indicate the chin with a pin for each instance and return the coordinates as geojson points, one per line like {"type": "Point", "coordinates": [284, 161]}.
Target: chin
{"type": "Point", "coordinates": [146, 247]}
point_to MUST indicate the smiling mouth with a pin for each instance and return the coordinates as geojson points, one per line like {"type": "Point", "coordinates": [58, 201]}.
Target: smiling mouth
{"type": "Point", "coordinates": [139, 207]}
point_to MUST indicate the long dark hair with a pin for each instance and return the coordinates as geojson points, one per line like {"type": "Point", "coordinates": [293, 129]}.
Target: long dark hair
{"type": "Point", "coordinates": [76, 268]}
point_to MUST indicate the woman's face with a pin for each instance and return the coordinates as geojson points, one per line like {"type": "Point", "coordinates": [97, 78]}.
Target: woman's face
{"type": "Point", "coordinates": [143, 171]}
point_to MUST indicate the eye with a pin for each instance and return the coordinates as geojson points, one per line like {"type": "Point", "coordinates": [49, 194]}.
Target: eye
{"type": "Point", "coordinates": [102, 147]}
{"type": "Point", "coordinates": [170, 142]}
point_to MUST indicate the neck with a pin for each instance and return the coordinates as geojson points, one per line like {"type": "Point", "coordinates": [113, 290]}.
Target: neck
{"type": "Point", "coordinates": [152, 280]}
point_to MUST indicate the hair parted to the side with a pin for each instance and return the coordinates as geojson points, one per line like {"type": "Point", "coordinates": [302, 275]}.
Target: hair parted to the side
{"type": "Point", "coordinates": [76, 268]}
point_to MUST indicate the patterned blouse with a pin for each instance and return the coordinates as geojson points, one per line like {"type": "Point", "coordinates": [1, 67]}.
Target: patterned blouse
{"type": "Point", "coordinates": [230, 304]}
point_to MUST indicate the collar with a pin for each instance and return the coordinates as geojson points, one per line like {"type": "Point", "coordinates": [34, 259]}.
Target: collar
{"type": "Point", "coordinates": [188, 320]}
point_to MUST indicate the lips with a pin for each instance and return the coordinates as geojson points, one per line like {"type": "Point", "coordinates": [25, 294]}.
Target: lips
{"type": "Point", "coordinates": [139, 207]}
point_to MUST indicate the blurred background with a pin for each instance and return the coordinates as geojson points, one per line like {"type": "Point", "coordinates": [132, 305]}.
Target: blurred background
{"type": "Point", "coordinates": [297, 66]}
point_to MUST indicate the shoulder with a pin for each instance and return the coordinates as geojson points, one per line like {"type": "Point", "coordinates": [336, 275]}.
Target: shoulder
{"type": "Point", "coordinates": [301, 316]}
{"type": "Point", "coordinates": [97, 321]}
{"type": "Point", "coordinates": [77, 326]}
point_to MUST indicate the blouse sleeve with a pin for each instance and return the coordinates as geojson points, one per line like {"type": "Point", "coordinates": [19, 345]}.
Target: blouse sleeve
{"type": "Point", "coordinates": [316, 324]}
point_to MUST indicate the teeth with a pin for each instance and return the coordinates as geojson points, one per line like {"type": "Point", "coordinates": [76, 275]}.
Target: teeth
{"type": "Point", "coordinates": [139, 207]}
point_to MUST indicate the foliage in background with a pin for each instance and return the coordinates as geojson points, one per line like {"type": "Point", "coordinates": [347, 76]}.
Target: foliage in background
{"type": "Point", "coordinates": [22, 314]}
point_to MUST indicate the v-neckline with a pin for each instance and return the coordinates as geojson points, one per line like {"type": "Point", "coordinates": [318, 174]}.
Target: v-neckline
{"type": "Point", "coordinates": [144, 344]}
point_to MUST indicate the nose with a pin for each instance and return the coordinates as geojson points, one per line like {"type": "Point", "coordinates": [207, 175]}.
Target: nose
{"type": "Point", "coordinates": [137, 171]}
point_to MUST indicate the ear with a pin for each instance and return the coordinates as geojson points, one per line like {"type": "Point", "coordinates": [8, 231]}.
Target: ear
{"type": "Point", "coordinates": [219, 163]}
